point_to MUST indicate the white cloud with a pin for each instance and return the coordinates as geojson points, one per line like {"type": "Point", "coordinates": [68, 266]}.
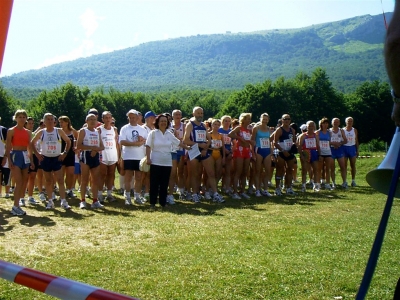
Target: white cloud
{"type": "Point", "coordinates": [89, 21]}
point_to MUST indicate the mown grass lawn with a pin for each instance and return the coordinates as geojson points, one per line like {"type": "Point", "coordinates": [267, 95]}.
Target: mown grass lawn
{"type": "Point", "coordinates": [310, 246]}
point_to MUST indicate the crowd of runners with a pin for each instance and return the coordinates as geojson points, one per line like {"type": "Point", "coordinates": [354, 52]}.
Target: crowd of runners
{"type": "Point", "coordinates": [168, 156]}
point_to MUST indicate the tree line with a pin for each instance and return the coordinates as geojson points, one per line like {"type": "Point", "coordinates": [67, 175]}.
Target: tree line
{"type": "Point", "coordinates": [305, 97]}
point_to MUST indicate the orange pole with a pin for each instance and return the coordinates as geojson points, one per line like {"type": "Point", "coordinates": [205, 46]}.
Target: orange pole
{"type": "Point", "coordinates": [5, 16]}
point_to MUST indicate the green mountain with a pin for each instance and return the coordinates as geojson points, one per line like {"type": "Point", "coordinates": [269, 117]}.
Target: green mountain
{"type": "Point", "coordinates": [350, 50]}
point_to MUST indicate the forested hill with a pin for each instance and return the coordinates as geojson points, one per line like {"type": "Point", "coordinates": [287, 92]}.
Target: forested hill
{"type": "Point", "coordinates": [350, 50]}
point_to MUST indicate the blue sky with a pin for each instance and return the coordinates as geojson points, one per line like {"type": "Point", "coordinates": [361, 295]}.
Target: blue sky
{"type": "Point", "coordinates": [45, 32]}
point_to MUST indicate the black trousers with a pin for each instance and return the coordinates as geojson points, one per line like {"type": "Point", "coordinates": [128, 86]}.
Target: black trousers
{"type": "Point", "coordinates": [159, 179]}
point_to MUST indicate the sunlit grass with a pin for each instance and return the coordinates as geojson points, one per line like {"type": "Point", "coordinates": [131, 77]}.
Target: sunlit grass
{"type": "Point", "coordinates": [312, 246]}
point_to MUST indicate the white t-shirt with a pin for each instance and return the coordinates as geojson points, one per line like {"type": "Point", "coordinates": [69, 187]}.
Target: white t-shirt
{"type": "Point", "coordinates": [131, 134]}
{"type": "Point", "coordinates": [160, 146]}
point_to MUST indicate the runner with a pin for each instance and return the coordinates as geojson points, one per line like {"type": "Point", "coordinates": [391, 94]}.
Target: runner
{"type": "Point", "coordinates": [338, 139]}
{"type": "Point", "coordinates": [350, 150]}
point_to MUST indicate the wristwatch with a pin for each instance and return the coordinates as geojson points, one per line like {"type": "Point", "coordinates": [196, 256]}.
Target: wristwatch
{"type": "Point", "coordinates": [394, 96]}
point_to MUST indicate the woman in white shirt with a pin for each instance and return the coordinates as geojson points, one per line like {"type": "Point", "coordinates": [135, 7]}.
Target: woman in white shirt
{"type": "Point", "coordinates": [158, 153]}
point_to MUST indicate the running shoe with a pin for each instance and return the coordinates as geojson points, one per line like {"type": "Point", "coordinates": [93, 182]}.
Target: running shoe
{"type": "Point", "coordinates": [236, 196]}
{"type": "Point", "coordinates": [100, 199]}
{"type": "Point", "coordinates": [218, 198]}
{"type": "Point", "coordinates": [244, 195]}
{"type": "Point", "coordinates": [170, 199]}
{"type": "Point", "coordinates": [71, 194]}
{"type": "Point", "coordinates": [258, 193]}
{"type": "Point", "coordinates": [266, 193]}
{"type": "Point", "coordinates": [110, 198]}
{"type": "Point", "coordinates": [42, 197]}
{"type": "Point", "coordinates": [328, 187]}
{"type": "Point", "coordinates": [289, 191]}
{"type": "Point", "coordinates": [345, 185]}
{"type": "Point", "coordinates": [82, 205]}
{"type": "Point", "coordinates": [278, 192]}
{"type": "Point", "coordinates": [207, 196]}
{"type": "Point", "coordinates": [317, 187]}
{"type": "Point", "coordinates": [97, 204]}
{"type": "Point", "coordinates": [7, 195]}
{"type": "Point", "coordinates": [128, 201]}
{"type": "Point", "coordinates": [17, 211]}
{"type": "Point", "coordinates": [50, 204]}
{"type": "Point", "coordinates": [353, 183]}
{"type": "Point", "coordinates": [303, 188]}
{"type": "Point", "coordinates": [64, 204]}
{"type": "Point", "coordinates": [251, 190]}
{"type": "Point", "coordinates": [138, 200]}
{"type": "Point", "coordinates": [195, 198]}
{"type": "Point", "coordinates": [22, 202]}
{"type": "Point", "coordinates": [32, 201]}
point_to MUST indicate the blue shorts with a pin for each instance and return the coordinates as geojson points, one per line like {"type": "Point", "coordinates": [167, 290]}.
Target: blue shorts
{"type": "Point", "coordinates": [87, 159]}
{"type": "Point", "coordinates": [314, 156]}
{"type": "Point", "coordinates": [77, 170]}
{"type": "Point", "coordinates": [201, 158]}
{"type": "Point", "coordinates": [337, 153]}
{"type": "Point", "coordinates": [51, 164]}
{"type": "Point", "coordinates": [350, 151]}
{"type": "Point", "coordinates": [264, 152]}
{"type": "Point", "coordinates": [179, 155]}
{"type": "Point", "coordinates": [18, 159]}
{"type": "Point", "coordinates": [174, 156]}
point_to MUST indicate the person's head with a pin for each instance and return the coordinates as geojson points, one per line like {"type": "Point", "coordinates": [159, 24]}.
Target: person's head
{"type": "Point", "coordinates": [65, 123]}
{"type": "Point", "coordinates": [286, 119]}
{"type": "Point", "coordinates": [161, 122]}
{"type": "Point", "coordinates": [349, 121]}
{"type": "Point", "coordinates": [91, 121]}
{"type": "Point", "coordinates": [176, 115]}
{"type": "Point", "coordinates": [48, 119]}
{"type": "Point", "coordinates": [245, 119]}
{"type": "Point", "coordinates": [133, 117]}
{"type": "Point", "coordinates": [335, 122]}
{"type": "Point", "coordinates": [264, 118]}
{"type": "Point", "coordinates": [215, 124]}
{"type": "Point", "coordinates": [29, 123]}
{"type": "Point", "coordinates": [149, 117]}
{"type": "Point", "coordinates": [310, 126]}
{"type": "Point", "coordinates": [235, 123]}
{"type": "Point", "coordinates": [198, 114]}
{"type": "Point", "coordinates": [324, 123]}
{"type": "Point", "coordinates": [226, 121]}
{"type": "Point", "coordinates": [93, 111]}
{"type": "Point", "coordinates": [303, 128]}
{"type": "Point", "coordinates": [112, 121]}
{"type": "Point", "coordinates": [20, 116]}
{"type": "Point", "coordinates": [295, 127]}
{"type": "Point", "coordinates": [106, 117]}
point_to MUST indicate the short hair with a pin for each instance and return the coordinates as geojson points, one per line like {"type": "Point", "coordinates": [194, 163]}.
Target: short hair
{"type": "Point", "coordinates": [223, 118]}
{"type": "Point", "coordinates": [322, 121]}
{"type": "Point", "coordinates": [157, 121]}
{"type": "Point", "coordinates": [244, 115]}
{"type": "Point", "coordinates": [196, 108]}
{"type": "Point", "coordinates": [20, 112]}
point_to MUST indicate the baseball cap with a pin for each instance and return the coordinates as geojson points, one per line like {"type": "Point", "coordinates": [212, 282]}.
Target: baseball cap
{"type": "Point", "coordinates": [132, 111]}
{"type": "Point", "coordinates": [303, 127]}
{"type": "Point", "coordinates": [149, 114]}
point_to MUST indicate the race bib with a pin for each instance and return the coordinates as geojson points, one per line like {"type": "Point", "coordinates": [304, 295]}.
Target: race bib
{"type": "Point", "coordinates": [227, 139]}
{"type": "Point", "coordinates": [200, 136]}
{"type": "Point", "coordinates": [50, 147]}
{"type": "Point", "coordinates": [310, 143]}
{"type": "Point", "coordinates": [246, 135]}
{"type": "Point", "coordinates": [287, 144]}
{"type": "Point", "coordinates": [335, 140]}
{"type": "Point", "coordinates": [216, 144]}
{"type": "Point", "coordinates": [264, 142]}
{"type": "Point", "coordinates": [324, 145]}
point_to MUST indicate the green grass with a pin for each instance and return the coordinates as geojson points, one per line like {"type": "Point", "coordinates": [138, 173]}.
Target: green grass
{"type": "Point", "coordinates": [312, 246]}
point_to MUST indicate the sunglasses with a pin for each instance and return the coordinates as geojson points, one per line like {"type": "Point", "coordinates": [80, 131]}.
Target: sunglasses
{"type": "Point", "coordinates": [286, 119]}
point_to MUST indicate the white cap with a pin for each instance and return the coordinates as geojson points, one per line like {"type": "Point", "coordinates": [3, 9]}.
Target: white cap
{"type": "Point", "coordinates": [303, 127]}
{"type": "Point", "coordinates": [132, 111]}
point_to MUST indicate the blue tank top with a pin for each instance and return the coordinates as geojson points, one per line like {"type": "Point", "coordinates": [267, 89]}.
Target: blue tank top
{"type": "Point", "coordinates": [199, 133]}
{"type": "Point", "coordinates": [324, 136]}
{"type": "Point", "coordinates": [262, 139]}
{"type": "Point", "coordinates": [286, 139]}
{"type": "Point", "coordinates": [227, 139]}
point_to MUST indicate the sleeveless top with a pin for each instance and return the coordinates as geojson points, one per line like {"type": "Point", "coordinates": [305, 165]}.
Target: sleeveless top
{"type": "Point", "coordinates": [351, 137]}
{"type": "Point", "coordinates": [92, 138]}
{"type": "Point", "coordinates": [245, 134]}
{"type": "Point", "coordinates": [179, 134]}
{"type": "Point", "coordinates": [324, 145]}
{"type": "Point", "coordinates": [336, 137]}
{"type": "Point", "coordinates": [50, 143]}
{"type": "Point", "coordinates": [21, 137]}
{"type": "Point", "coordinates": [199, 133]}
{"type": "Point", "coordinates": [309, 143]}
{"type": "Point", "coordinates": [216, 142]}
{"type": "Point", "coordinates": [286, 139]}
{"type": "Point", "coordinates": [227, 140]}
{"type": "Point", "coordinates": [64, 144]}
{"type": "Point", "coordinates": [262, 139]}
{"type": "Point", "coordinates": [110, 148]}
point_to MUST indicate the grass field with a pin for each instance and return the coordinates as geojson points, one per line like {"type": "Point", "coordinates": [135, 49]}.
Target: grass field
{"type": "Point", "coordinates": [309, 246]}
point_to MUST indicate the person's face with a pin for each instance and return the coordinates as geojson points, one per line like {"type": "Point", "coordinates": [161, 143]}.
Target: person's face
{"type": "Point", "coordinates": [349, 122]}
{"type": "Point", "coordinates": [215, 126]}
{"type": "Point", "coordinates": [162, 123]}
{"type": "Point", "coordinates": [133, 118]}
{"type": "Point", "coordinates": [226, 122]}
{"type": "Point", "coordinates": [150, 120]}
{"type": "Point", "coordinates": [30, 124]}
{"type": "Point", "coordinates": [310, 126]}
{"type": "Point", "coordinates": [63, 124]}
{"type": "Point", "coordinates": [336, 122]}
{"type": "Point", "coordinates": [198, 115]}
{"type": "Point", "coordinates": [286, 120]}
{"type": "Point", "coordinates": [49, 121]}
{"type": "Point", "coordinates": [21, 119]}
{"type": "Point", "coordinates": [177, 115]}
{"type": "Point", "coordinates": [107, 119]}
{"type": "Point", "coordinates": [265, 120]}
{"type": "Point", "coordinates": [91, 121]}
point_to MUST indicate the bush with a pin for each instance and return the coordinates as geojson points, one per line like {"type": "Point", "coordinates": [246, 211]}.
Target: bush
{"type": "Point", "coordinates": [374, 145]}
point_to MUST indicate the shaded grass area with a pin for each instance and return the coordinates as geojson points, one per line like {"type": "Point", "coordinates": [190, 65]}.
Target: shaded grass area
{"type": "Point", "coordinates": [312, 246]}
